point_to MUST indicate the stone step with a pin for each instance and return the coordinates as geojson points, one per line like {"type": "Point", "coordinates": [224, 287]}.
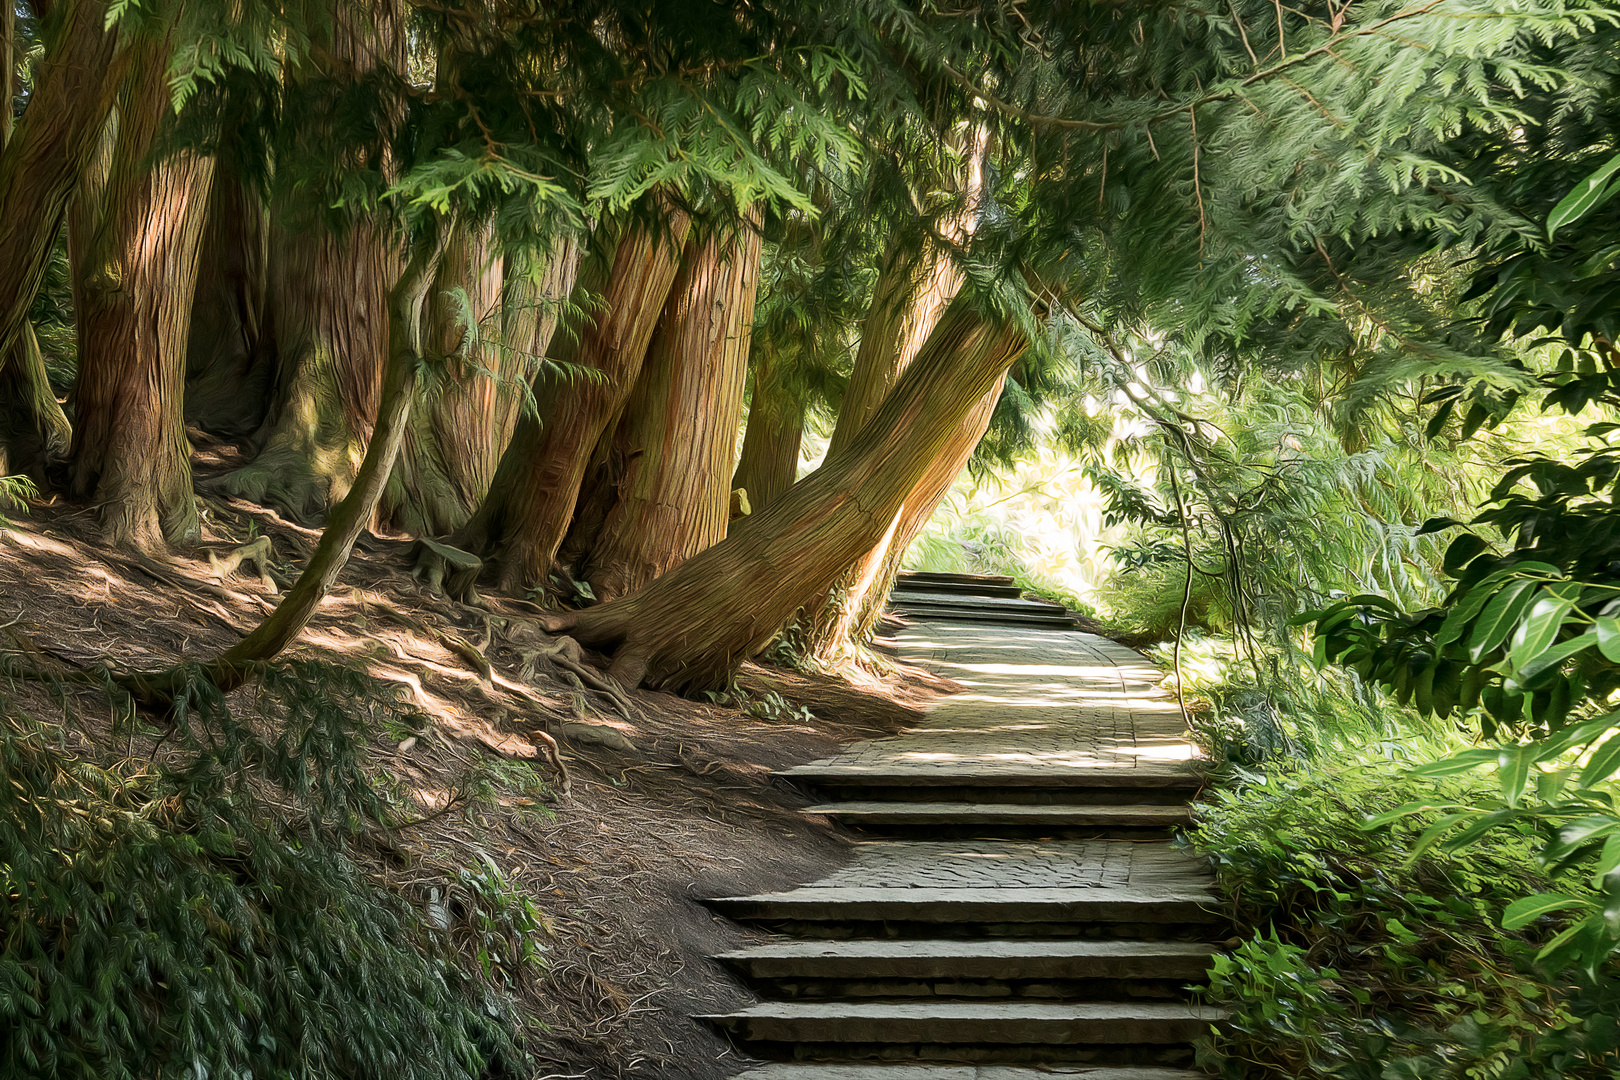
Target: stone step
{"type": "Point", "coordinates": [1088, 909]}
{"type": "Point", "coordinates": [787, 1070]}
{"type": "Point", "coordinates": [1051, 777]}
{"type": "Point", "coordinates": [906, 587]}
{"type": "Point", "coordinates": [988, 815]}
{"type": "Point", "coordinates": [971, 1023]}
{"type": "Point", "coordinates": [966, 605]}
{"type": "Point", "coordinates": [999, 959]}
{"type": "Point", "coordinates": [940, 613]}
{"type": "Point", "coordinates": [955, 579]}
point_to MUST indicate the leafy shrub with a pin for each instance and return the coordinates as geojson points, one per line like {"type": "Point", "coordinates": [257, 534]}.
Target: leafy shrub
{"type": "Point", "coordinates": [1367, 957]}
{"type": "Point", "coordinates": [202, 913]}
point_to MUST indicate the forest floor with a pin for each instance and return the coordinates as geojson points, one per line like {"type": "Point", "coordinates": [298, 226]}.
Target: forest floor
{"type": "Point", "coordinates": [668, 801]}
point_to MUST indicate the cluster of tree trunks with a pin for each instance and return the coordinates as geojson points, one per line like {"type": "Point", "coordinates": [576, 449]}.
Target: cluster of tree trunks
{"type": "Point", "coordinates": [598, 447]}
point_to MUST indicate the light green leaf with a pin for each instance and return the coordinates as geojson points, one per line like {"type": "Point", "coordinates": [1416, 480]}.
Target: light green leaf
{"type": "Point", "coordinates": [1604, 763]}
{"type": "Point", "coordinates": [1608, 637]}
{"type": "Point", "coordinates": [1555, 655]}
{"type": "Point", "coordinates": [1499, 618]}
{"type": "Point", "coordinates": [1522, 913]}
{"type": "Point", "coordinates": [1540, 626]}
{"type": "Point", "coordinates": [1588, 195]}
{"type": "Point", "coordinates": [1458, 763]}
{"type": "Point", "coordinates": [1514, 764]}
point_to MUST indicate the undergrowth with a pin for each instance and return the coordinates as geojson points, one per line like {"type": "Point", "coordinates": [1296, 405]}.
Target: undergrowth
{"type": "Point", "coordinates": [1369, 956]}
{"type": "Point", "coordinates": [202, 909]}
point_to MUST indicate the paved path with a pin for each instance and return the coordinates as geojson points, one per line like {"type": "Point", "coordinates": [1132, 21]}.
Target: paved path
{"type": "Point", "coordinates": [956, 937]}
{"type": "Point", "coordinates": [1037, 701]}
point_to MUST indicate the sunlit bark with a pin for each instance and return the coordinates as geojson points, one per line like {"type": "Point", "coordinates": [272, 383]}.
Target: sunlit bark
{"type": "Point", "coordinates": [487, 322]}
{"type": "Point", "coordinates": [770, 452]}
{"type": "Point", "coordinates": [521, 523]}
{"type": "Point", "coordinates": [691, 628]}
{"type": "Point", "coordinates": [136, 275]}
{"type": "Point", "coordinates": [674, 447]}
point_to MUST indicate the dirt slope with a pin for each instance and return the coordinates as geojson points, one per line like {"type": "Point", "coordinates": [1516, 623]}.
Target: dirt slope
{"type": "Point", "coordinates": [669, 800]}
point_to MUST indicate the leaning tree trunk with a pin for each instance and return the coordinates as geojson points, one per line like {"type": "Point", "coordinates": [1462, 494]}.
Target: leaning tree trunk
{"type": "Point", "coordinates": [135, 283]}
{"type": "Point", "coordinates": [674, 448]}
{"type": "Point", "coordinates": [229, 371]}
{"type": "Point", "coordinates": [769, 463]}
{"type": "Point", "coordinates": [328, 302]}
{"type": "Point", "coordinates": [913, 292]}
{"type": "Point", "coordinates": [867, 585]}
{"type": "Point", "coordinates": [41, 160]}
{"type": "Point", "coordinates": [531, 500]}
{"type": "Point", "coordinates": [692, 627]}
{"type": "Point", "coordinates": [465, 419]}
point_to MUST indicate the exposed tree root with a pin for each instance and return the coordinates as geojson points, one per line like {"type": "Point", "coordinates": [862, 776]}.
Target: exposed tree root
{"type": "Point", "coordinates": [258, 553]}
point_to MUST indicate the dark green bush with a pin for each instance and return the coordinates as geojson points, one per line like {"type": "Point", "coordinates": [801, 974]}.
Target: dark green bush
{"type": "Point", "coordinates": [202, 913]}
{"type": "Point", "coordinates": [1364, 961]}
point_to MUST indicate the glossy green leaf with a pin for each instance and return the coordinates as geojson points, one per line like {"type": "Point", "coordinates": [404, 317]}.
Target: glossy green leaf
{"type": "Point", "coordinates": [1499, 618]}
{"type": "Point", "coordinates": [1556, 655]}
{"type": "Point", "coordinates": [1541, 625]}
{"type": "Point", "coordinates": [1608, 637]}
{"type": "Point", "coordinates": [1587, 196]}
{"type": "Point", "coordinates": [1513, 763]}
{"type": "Point", "coordinates": [1523, 912]}
{"type": "Point", "coordinates": [1604, 763]}
{"type": "Point", "coordinates": [1458, 763]}
{"type": "Point", "coordinates": [1566, 739]}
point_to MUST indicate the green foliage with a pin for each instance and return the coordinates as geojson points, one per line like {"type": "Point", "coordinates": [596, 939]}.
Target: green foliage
{"type": "Point", "coordinates": [770, 705]}
{"type": "Point", "coordinates": [1370, 954]}
{"type": "Point", "coordinates": [201, 912]}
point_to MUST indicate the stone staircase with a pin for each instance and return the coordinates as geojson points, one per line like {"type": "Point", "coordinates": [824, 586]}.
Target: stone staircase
{"type": "Point", "coordinates": [1001, 919]}
{"type": "Point", "coordinates": [974, 598]}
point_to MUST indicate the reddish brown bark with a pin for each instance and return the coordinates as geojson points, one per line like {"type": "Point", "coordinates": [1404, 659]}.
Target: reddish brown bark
{"type": "Point", "coordinates": [678, 437]}
{"type": "Point", "coordinates": [136, 275]}
{"type": "Point", "coordinates": [464, 421]}
{"type": "Point", "coordinates": [770, 452]}
{"type": "Point", "coordinates": [691, 628]}
{"type": "Point", "coordinates": [521, 523]}
{"type": "Point", "coordinates": [328, 302]}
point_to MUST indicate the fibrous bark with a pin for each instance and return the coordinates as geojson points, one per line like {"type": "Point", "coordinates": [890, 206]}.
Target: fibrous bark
{"type": "Point", "coordinates": [328, 301]}
{"type": "Point", "coordinates": [523, 519]}
{"type": "Point", "coordinates": [41, 160]}
{"type": "Point", "coordinates": [672, 452]}
{"type": "Point", "coordinates": [770, 452]}
{"type": "Point", "coordinates": [74, 85]}
{"type": "Point", "coordinates": [465, 419]}
{"type": "Point", "coordinates": [691, 628]}
{"type": "Point", "coordinates": [134, 282]}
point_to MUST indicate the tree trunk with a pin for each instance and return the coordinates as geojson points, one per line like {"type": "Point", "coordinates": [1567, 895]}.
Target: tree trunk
{"type": "Point", "coordinates": [676, 443]}
{"type": "Point", "coordinates": [41, 160]}
{"type": "Point", "coordinates": [74, 85]}
{"type": "Point", "coordinates": [328, 302]}
{"type": "Point", "coordinates": [531, 500]}
{"type": "Point", "coordinates": [229, 371]}
{"type": "Point", "coordinates": [864, 588]}
{"type": "Point", "coordinates": [692, 627]}
{"type": "Point", "coordinates": [917, 283]}
{"type": "Point", "coordinates": [770, 452]}
{"type": "Point", "coordinates": [463, 423]}
{"type": "Point", "coordinates": [136, 281]}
